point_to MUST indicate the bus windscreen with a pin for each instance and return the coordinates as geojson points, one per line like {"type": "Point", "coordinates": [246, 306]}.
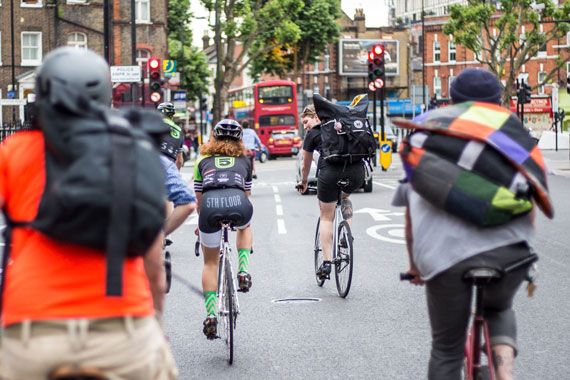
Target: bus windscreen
{"type": "Point", "coordinates": [276, 120]}
{"type": "Point", "coordinates": [276, 94]}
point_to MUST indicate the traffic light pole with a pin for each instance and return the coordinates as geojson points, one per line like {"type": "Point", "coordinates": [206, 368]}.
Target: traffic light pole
{"type": "Point", "coordinates": [382, 130]}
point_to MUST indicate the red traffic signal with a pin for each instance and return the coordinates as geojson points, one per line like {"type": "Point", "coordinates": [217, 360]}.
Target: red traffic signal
{"type": "Point", "coordinates": [378, 50]}
{"type": "Point", "coordinates": [154, 63]}
{"type": "Point", "coordinates": [370, 56]}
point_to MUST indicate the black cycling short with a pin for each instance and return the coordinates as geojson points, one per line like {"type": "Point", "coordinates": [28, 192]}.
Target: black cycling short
{"type": "Point", "coordinates": [329, 175]}
{"type": "Point", "coordinates": [220, 204]}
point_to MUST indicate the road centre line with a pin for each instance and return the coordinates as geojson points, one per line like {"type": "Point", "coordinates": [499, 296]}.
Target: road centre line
{"type": "Point", "coordinates": [384, 185]}
{"type": "Point", "coordinates": [279, 210]}
{"type": "Point", "coordinates": [277, 198]}
{"type": "Point", "coordinates": [281, 227]}
{"type": "Point", "coordinates": [275, 189]}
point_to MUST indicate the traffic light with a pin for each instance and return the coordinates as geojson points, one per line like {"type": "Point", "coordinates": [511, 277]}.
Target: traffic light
{"type": "Point", "coordinates": [155, 81]}
{"type": "Point", "coordinates": [376, 68]}
{"type": "Point", "coordinates": [524, 93]}
{"type": "Point", "coordinates": [204, 103]}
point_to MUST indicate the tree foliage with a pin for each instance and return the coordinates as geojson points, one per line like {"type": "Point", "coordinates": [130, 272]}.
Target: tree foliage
{"type": "Point", "coordinates": [318, 27]}
{"type": "Point", "coordinates": [191, 62]}
{"type": "Point", "coordinates": [494, 33]}
{"type": "Point", "coordinates": [245, 30]}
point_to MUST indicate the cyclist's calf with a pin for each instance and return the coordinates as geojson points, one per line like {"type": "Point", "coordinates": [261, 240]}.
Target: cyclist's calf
{"type": "Point", "coordinates": [346, 208]}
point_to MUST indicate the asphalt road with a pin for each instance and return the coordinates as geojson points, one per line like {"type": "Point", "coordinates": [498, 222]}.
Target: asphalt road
{"type": "Point", "coordinates": [381, 330]}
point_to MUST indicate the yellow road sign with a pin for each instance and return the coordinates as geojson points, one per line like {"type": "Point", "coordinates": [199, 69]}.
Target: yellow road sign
{"type": "Point", "coordinates": [168, 67]}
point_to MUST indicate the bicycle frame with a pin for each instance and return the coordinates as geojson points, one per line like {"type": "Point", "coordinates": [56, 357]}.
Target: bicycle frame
{"type": "Point", "coordinates": [225, 262]}
{"type": "Point", "coordinates": [473, 341]}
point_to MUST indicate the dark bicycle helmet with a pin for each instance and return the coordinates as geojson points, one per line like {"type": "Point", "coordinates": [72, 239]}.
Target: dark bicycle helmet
{"type": "Point", "coordinates": [228, 128]}
{"type": "Point", "coordinates": [81, 71]}
{"type": "Point", "coordinates": [166, 108]}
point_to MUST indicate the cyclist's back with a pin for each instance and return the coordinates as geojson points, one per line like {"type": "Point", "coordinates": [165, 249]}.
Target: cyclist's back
{"type": "Point", "coordinates": [54, 301]}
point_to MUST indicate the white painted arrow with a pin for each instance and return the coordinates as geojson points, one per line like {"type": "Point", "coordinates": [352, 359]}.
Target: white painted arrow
{"type": "Point", "coordinates": [378, 214]}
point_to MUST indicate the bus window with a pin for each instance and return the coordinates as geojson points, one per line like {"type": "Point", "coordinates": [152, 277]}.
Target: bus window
{"type": "Point", "coordinates": [276, 120]}
{"type": "Point", "coordinates": [276, 95]}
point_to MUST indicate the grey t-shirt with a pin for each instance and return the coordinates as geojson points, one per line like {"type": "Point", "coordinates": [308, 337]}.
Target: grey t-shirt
{"type": "Point", "coordinates": [441, 240]}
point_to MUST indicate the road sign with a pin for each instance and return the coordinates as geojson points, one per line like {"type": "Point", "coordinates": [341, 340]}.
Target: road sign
{"type": "Point", "coordinates": [12, 102]}
{"type": "Point", "coordinates": [179, 96]}
{"type": "Point", "coordinates": [168, 67]}
{"type": "Point", "coordinates": [385, 154]}
{"type": "Point", "coordinates": [11, 94]}
{"type": "Point", "coordinates": [125, 74]}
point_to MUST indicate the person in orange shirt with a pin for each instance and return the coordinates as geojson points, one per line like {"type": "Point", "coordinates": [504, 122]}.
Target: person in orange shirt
{"type": "Point", "coordinates": [55, 310]}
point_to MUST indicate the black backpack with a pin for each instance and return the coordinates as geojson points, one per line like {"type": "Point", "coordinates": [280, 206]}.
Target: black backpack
{"type": "Point", "coordinates": [104, 180]}
{"type": "Point", "coordinates": [346, 134]}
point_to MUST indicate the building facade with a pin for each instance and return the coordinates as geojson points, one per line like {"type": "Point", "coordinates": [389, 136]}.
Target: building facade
{"type": "Point", "coordinates": [410, 11]}
{"type": "Point", "coordinates": [40, 26]}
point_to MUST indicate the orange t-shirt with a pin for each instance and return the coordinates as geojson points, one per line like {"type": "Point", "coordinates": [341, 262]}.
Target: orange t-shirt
{"type": "Point", "coordinates": [47, 279]}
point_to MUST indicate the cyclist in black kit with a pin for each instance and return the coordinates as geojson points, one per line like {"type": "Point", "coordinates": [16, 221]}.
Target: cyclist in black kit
{"type": "Point", "coordinates": [222, 181]}
{"type": "Point", "coordinates": [171, 144]}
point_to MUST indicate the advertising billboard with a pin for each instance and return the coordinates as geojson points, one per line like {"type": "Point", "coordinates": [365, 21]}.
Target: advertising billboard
{"type": "Point", "coordinates": [353, 56]}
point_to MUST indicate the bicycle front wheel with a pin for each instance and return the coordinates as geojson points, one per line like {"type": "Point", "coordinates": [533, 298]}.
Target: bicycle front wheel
{"type": "Point", "coordinates": [343, 260]}
{"type": "Point", "coordinates": [319, 258]}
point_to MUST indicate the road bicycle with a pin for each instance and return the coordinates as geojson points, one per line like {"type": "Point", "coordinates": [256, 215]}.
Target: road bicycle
{"type": "Point", "coordinates": [228, 305]}
{"type": "Point", "coordinates": [342, 248]}
{"type": "Point", "coordinates": [478, 338]}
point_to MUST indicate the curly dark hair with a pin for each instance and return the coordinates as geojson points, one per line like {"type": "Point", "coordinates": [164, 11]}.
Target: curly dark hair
{"type": "Point", "coordinates": [223, 147]}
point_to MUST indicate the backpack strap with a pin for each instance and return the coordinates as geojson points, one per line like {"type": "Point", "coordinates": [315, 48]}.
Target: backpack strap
{"type": "Point", "coordinates": [10, 225]}
{"type": "Point", "coordinates": [122, 182]}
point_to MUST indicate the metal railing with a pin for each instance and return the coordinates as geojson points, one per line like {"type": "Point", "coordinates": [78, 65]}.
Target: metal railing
{"type": "Point", "coordinates": [7, 129]}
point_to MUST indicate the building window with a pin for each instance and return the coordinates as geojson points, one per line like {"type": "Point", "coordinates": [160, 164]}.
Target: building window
{"type": "Point", "coordinates": [451, 51]}
{"type": "Point", "coordinates": [143, 56]}
{"type": "Point", "coordinates": [449, 82]}
{"type": "Point", "coordinates": [31, 3]}
{"type": "Point", "coordinates": [436, 51]}
{"type": "Point", "coordinates": [31, 48]}
{"type": "Point", "coordinates": [326, 62]}
{"type": "Point", "coordinates": [78, 40]}
{"type": "Point", "coordinates": [437, 86]}
{"type": "Point", "coordinates": [541, 79]}
{"type": "Point", "coordinates": [568, 39]}
{"type": "Point", "coordinates": [142, 10]}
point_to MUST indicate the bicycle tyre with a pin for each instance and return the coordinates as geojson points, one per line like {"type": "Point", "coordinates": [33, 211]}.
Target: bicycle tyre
{"type": "Point", "coordinates": [168, 270]}
{"type": "Point", "coordinates": [230, 309]}
{"type": "Point", "coordinates": [343, 260]}
{"type": "Point", "coordinates": [318, 251]}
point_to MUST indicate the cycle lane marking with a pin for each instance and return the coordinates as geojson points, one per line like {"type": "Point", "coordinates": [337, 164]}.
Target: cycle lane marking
{"type": "Point", "coordinates": [387, 230]}
{"type": "Point", "coordinates": [384, 185]}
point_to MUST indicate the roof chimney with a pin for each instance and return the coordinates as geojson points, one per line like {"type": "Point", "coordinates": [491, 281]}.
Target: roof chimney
{"type": "Point", "coordinates": [359, 20]}
{"type": "Point", "coordinates": [205, 41]}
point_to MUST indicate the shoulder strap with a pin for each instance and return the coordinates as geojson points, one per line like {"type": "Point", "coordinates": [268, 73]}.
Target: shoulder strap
{"type": "Point", "coordinates": [122, 181]}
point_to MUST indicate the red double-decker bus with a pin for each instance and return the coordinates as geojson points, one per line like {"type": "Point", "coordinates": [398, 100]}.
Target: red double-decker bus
{"type": "Point", "coordinates": [271, 108]}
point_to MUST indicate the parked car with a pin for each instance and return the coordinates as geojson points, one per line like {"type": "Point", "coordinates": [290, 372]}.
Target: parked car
{"type": "Point", "coordinates": [284, 143]}
{"type": "Point", "coordinates": [312, 179]}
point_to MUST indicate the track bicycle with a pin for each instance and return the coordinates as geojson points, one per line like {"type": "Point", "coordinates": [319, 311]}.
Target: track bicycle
{"type": "Point", "coordinates": [342, 248]}
{"type": "Point", "coordinates": [478, 338]}
{"type": "Point", "coordinates": [228, 305]}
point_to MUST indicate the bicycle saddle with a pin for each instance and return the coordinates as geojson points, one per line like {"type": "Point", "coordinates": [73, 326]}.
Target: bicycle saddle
{"type": "Point", "coordinates": [482, 274]}
{"type": "Point", "coordinates": [233, 219]}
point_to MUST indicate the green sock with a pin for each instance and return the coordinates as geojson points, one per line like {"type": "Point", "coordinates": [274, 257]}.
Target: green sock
{"type": "Point", "coordinates": [211, 301]}
{"type": "Point", "coordinates": [243, 255]}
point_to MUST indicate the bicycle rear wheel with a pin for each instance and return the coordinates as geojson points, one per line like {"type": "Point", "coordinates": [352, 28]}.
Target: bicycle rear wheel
{"type": "Point", "coordinates": [319, 258]}
{"type": "Point", "coordinates": [343, 260]}
{"type": "Point", "coordinates": [231, 309]}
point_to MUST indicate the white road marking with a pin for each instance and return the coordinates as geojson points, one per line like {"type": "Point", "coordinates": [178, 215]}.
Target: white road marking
{"type": "Point", "coordinates": [275, 189]}
{"type": "Point", "coordinates": [192, 220]}
{"type": "Point", "coordinates": [379, 215]}
{"type": "Point", "coordinates": [279, 210]}
{"type": "Point", "coordinates": [384, 185]}
{"type": "Point", "coordinates": [394, 230]}
{"type": "Point", "coordinates": [281, 227]}
{"type": "Point", "coordinates": [277, 198]}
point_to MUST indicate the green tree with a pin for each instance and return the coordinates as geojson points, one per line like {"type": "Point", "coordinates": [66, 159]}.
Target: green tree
{"type": "Point", "coordinates": [244, 29]}
{"type": "Point", "coordinates": [494, 33]}
{"type": "Point", "coordinates": [191, 62]}
{"type": "Point", "coordinates": [317, 22]}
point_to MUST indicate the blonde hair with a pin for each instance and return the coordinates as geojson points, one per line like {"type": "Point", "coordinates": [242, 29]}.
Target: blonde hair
{"type": "Point", "coordinates": [223, 147]}
{"type": "Point", "coordinates": [309, 111]}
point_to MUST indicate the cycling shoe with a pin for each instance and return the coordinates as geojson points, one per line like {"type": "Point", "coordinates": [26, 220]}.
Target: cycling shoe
{"type": "Point", "coordinates": [211, 327]}
{"type": "Point", "coordinates": [324, 271]}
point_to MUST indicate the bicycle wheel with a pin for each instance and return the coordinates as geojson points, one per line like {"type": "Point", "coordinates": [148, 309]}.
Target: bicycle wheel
{"type": "Point", "coordinates": [168, 270]}
{"type": "Point", "coordinates": [230, 308]}
{"type": "Point", "coordinates": [343, 260]}
{"type": "Point", "coordinates": [318, 254]}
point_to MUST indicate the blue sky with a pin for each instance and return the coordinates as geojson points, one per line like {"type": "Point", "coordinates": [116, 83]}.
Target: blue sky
{"type": "Point", "coordinates": [375, 10]}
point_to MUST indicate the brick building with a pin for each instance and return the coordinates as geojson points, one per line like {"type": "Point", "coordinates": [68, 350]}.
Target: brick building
{"type": "Point", "coordinates": [40, 26]}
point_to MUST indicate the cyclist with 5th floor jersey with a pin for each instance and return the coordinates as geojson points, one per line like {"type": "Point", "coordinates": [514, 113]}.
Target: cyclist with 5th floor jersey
{"type": "Point", "coordinates": [222, 181]}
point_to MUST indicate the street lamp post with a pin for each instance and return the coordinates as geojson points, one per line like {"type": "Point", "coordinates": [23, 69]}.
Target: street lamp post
{"type": "Point", "coordinates": [12, 40]}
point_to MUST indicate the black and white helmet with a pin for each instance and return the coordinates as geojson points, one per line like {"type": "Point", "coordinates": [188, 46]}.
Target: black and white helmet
{"type": "Point", "coordinates": [228, 128]}
{"type": "Point", "coordinates": [166, 109]}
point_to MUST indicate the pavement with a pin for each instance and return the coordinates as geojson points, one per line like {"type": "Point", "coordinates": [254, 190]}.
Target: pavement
{"type": "Point", "coordinates": [557, 162]}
